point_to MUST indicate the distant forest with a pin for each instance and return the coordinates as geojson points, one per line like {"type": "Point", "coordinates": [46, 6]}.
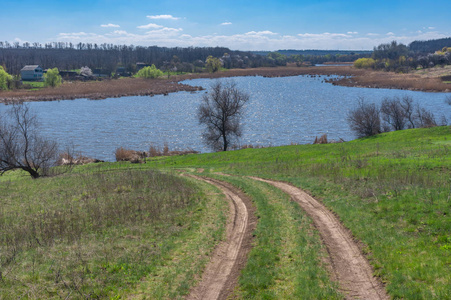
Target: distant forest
{"type": "Point", "coordinates": [108, 57]}
{"type": "Point", "coordinates": [425, 47]}
{"type": "Point", "coordinates": [67, 56]}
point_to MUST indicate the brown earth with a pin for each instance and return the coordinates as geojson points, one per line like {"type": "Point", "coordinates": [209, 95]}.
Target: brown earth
{"type": "Point", "coordinates": [230, 256]}
{"type": "Point", "coordinates": [350, 268]}
{"type": "Point", "coordinates": [148, 87]}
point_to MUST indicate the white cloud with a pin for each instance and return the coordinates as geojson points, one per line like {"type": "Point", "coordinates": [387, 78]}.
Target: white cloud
{"type": "Point", "coordinates": [431, 28]}
{"type": "Point", "coordinates": [325, 35]}
{"type": "Point", "coordinates": [120, 32]}
{"type": "Point", "coordinates": [252, 40]}
{"type": "Point", "coordinates": [149, 26]}
{"type": "Point", "coordinates": [226, 23]}
{"type": "Point", "coordinates": [163, 32]}
{"type": "Point", "coordinates": [163, 17]}
{"type": "Point", "coordinates": [110, 25]}
{"type": "Point", "coordinates": [352, 32]}
{"type": "Point", "coordinates": [390, 33]}
{"type": "Point", "coordinates": [265, 32]}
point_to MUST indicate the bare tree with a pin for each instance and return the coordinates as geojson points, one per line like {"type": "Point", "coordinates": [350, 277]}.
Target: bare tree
{"type": "Point", "coordinates": [221, 111]}
{"type": "Point", "coordinates": [424, 118]}
{"type": "Point", "coordinates": [21, 146]}
{"type": "Point", "coordinates": [408, 106]}
{"type": "Point", "coordinates": [365, 119]}
{"type": "Point", "coordinates": [393, 113]}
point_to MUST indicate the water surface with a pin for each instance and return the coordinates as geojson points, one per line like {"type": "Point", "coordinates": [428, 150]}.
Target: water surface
{"type": "Point", "coordinates": [281, 111]}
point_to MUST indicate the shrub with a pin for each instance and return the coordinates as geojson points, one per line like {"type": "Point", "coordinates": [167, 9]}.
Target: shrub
{"type": "Point", "coordinates": [365, 119]}
{"type": "Point", "coordinates": [149, 72]}
{"type": "Point", "coordinates": [52, 78]}
{"type": "Point", "coordinates": [123, 154]}
{"type": "Point", "coordinates": [364, 63]}
{"type": "Point", "coordinates": [4, 79]}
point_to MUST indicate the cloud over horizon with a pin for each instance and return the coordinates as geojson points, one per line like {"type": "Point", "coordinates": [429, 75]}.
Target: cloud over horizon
{"type": "Point", "coordinates": [110, 25]}
{"type": "Point", "coordinates": [163, 17]}
{"type": "Point", "coordinates": [252, 40]}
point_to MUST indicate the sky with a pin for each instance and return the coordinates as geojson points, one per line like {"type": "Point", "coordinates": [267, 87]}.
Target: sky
{"type": "Point", "coordinates": [238, 25]}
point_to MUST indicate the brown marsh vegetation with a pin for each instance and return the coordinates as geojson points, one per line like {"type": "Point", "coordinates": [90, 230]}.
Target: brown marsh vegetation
{"type": "Point", "coordinates": [144, 87]}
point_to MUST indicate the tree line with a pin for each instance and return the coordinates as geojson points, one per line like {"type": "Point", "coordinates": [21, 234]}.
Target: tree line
{"type": "Point", "coordinates": [398, 57]}
{"type": "Point", "coordinates": [68, 56]}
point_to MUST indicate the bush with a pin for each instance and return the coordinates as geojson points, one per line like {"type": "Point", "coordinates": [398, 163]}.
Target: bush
{"type": "Point", "coordinates": [4, 79]}
{"type": "Point", "coordinates": [52, 78]}
{"type": "Point", "coordinates": [133, 156]}
{"type": "Point", "coordinates": [213, 64]}
{"type": "Point", "coordinates": [364, 63]}
{"type": "Point", "coordinates": [365, 119]}
{"type": "Point", "coordinates": [149, 72]}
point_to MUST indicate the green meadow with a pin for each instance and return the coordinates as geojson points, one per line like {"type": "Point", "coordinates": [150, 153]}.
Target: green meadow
{"type": "Point", "coordinates": [121, 230]}
{"type": "Point", "coordinates": [393, 191]}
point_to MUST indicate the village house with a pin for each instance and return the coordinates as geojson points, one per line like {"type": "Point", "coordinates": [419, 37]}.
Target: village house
{"type": "Point", "coordinates": [31, 72]}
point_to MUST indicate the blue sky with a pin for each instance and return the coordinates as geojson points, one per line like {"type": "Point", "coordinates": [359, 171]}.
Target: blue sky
{"type": "Point", "coordinates": [239, 25]}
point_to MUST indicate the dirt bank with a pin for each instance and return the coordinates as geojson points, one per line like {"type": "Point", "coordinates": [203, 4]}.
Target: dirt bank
{"type": "Point", "coordinates": [144, 87]}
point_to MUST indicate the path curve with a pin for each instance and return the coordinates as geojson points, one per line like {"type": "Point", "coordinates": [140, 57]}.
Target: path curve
{"type": "Point", "coordinates": [229, 257]}
{"type": "Point", "coordinates": [351, 269]}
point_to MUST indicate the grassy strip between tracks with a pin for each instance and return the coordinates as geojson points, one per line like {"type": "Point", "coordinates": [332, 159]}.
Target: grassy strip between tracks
{"type": "Point", "coordinates": [287, 258]}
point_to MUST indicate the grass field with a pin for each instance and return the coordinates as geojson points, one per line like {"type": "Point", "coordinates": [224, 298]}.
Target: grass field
{"type": "Point", "coordinates": [392, 191]}
{"type": "Point", "coordinates": [106, 235]}
{"type": "Point", "coordinates": [128, 230]}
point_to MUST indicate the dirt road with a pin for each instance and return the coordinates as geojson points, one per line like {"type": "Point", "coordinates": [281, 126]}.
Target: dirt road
{"type": "Point", "coordinates": [221, 274]}
{"type": "Point", "coordinates": [352, 271]}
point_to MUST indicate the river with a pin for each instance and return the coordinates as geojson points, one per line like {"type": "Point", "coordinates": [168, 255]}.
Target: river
{"type": "Point", "coordinates": [281, 111]}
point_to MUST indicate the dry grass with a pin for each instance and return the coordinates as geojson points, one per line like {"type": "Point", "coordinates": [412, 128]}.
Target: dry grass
{"type": "Point", "coordinates": [390, 80]}
{"type": "Point", "coordinates": [156, 151]}
{"type": "Point", "coordinates": [133, 156]}
{"type": "Point", "coordinates": [99, 90]}
{"type": "Point", "coordinates": [145, 87]}
{"type": "Point", "coordinates": [321, 140]}
{"type": "Point", "coordinates": [68, 159]}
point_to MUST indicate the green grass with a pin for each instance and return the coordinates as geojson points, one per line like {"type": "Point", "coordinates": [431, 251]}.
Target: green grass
{"type": "Point", "coordinates": [35, 85]}
{"type": "Point", "coordinates": [392, 191]}
{"type": "Point", "coordinates": [80, 233]}
{"type": "Point", "coordinates": [106, 234]}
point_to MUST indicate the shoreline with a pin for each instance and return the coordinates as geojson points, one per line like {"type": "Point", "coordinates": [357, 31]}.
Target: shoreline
{"type": "Point", "coordinates": [115, 88]}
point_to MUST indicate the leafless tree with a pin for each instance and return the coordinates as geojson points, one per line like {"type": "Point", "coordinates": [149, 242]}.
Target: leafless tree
{"type": "Point", "coordinates": [364, 120]}
{"type": "Point", "coordinates": [21, 146]}
{"type": "Point", "coordinates": [424, 118]}
{"type": "Point", "coordinates": [220, 112]}
{"type": "Point", "coordinates": [393, 113]}
{"type": "Point", "coordinates": [408, 106]}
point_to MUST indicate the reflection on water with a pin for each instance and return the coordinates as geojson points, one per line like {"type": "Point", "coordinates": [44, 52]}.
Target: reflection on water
{"type": "Point", "coordinates": [281, 111]}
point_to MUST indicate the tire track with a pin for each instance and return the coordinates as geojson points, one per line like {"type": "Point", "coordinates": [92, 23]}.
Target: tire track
{"type": "Point", "coordinates": [229, 257]}
{"type": "Point", "coordinates": [351, 269]}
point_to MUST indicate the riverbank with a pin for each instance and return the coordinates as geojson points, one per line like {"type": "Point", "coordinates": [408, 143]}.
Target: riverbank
{"type": "Point", "coordinates": [115, 88]}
